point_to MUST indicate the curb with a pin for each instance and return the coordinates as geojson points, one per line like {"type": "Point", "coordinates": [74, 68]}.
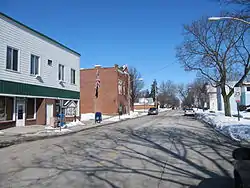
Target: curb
{"type": "Point", "coordinates": [21, 138]}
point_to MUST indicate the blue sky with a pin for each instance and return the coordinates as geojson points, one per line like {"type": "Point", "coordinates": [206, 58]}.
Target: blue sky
{"type": "Point", "coordinates": [140, 33]}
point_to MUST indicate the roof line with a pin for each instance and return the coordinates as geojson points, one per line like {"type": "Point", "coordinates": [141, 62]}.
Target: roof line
{"type": "Point", "coordinates": [37, 32]}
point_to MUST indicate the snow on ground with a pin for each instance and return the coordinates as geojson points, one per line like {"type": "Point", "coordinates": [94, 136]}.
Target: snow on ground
{"type": "Point", "coordinates": [164, 109]}
{"type": "Point", "coordinates": [159, 109]}
{"type": "Point", "coordinates": [127, 116]}
{"type": "Point", "coordinates": [1, 132]}
{"type": "Point", "coordinates": [136, 113]}
{"type": "Point", "coordinates": [65, 128]}
{"type": "Point", "coordinates": [91, 116]}
{"type": "Point", "coordinates": [74, 123]}
{"type": "Point", "coordinates": [229, 126]}
{"type": "Point", "coordinates": [245, 115]}
{"type": "Point", "coordinates": [62, 130]}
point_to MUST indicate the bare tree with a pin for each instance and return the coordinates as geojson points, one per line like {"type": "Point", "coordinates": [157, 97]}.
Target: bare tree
{"type": "Point", "coordinates": [186, 95]}
{"type": "Point", "coordinates": [199, 91]}
{"type": "Point", "coordinates": [136, 84]}
{"type": "Point", "coordinates": [243, 9]}
{"type": "Point", "coordinates": [144, 93]}
{"type": "Point", "coordinates": [168, 93]}
{"type": "Point", "coordinates": [218, 51]}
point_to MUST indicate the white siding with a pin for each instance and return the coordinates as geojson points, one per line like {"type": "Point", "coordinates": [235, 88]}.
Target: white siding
{"type": "Point", "coordinates": [28, 43]}
{"type": "Point", "coordinates": [247, 94]}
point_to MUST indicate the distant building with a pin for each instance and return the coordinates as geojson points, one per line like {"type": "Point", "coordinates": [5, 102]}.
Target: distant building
{"type": "Point", "coordinates": [144, 104]}
{"type": "Point", "coordinates": [112, 94]}
{"type": "Point", "coordinates": [37, 74]}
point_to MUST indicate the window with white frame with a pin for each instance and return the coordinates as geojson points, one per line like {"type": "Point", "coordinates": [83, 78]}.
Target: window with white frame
{"type": "Point", "coordinates": [73, 76]}
{"type": "Point", "coordinates": [12, 59]}
{"type": "Point", "coordinates": [123, 89]}
{"type": "Point", "coordinates": [61, 72]}
{"type": "Point", "coordinates": [34, 65]}
{"type": "Point", "coordinates": [120, 87]}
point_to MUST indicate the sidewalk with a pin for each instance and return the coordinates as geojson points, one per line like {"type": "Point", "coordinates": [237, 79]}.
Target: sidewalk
{"type": "Point", "coordinates": [16, 135]}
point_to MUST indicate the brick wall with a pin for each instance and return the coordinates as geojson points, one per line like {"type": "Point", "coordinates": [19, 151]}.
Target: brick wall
{"type": "Point", "coordinates": [7, 124]}
{"type": "Point", "coordinates": [123, 99]}
{"type": "Point", "coordinates": [108, 99]}
{"type": "Point", "coordinates": [41, 110]}
{"type": "Point", "coordinates": [30, 122]}
{"type": "Point", "coordinates": [40, 114]}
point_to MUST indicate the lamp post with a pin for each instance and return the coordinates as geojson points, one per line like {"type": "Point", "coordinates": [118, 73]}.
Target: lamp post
{"type": "Point", "coordinates": [228, 18]}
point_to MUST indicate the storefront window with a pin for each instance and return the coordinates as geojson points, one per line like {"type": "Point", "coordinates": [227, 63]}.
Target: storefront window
{"type": "Point", "coordinates": [2, 109]}
{"type": "Point", "coordinates": [70, 109]}
{"type": "Point", "coordinates": [30, 108]}
{"type": "Point", "coordinates": [6, 108]}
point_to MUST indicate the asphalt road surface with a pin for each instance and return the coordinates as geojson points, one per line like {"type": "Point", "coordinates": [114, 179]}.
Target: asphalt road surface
{"type": "Point", "coordinates": [167, 150]}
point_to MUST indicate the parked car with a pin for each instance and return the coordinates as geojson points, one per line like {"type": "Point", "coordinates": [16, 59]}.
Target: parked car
{"type": "Point", "coordinates": [152, 111]}
{"type": "Point", "coordinates": [189, 112]}
{"type": "Point", "coordinates": [241, 167]}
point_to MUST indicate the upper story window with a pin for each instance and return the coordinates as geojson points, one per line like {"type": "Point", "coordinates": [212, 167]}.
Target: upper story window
{"type": "Point", "coordinates": [61, 72]}
{"type": "Point", "coordinates": [248, 88]}
{"type": "Point", "coordinates": [73, 76]}
{"type": "Point", "coordinates": [12, 59]}
{"type": "Point", "coordinates": [120, 87]}
{"type": "Point", "coordinates": [34, 65]}
{"type": "Point", "coordinates": [123, 89]}
{"type": "Point", "coordinates": [49, 62]}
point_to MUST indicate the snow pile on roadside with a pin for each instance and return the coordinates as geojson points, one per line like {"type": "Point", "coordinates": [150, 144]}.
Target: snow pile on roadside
{"type": "Point", "coordinates": [240, 132]}
{"type": "Point", "coordinates": [62, 130]}
{"type": "Point", "coordinates": [229, 126]}
{"type": "Point", "coordinates": [164, 109]}
{"type": "Point", "coordinates": [91, 116]}
{"type": "Point", "coordinates": [87, 116]}
{"type": "Point", "coordinates": [50, 129]}
{"type": "Point", "coordinates": [74, 123]}
{"type": "Point", "coordinates": [245, 115]}
{"type": "Point", "coordinates": [126, 116]}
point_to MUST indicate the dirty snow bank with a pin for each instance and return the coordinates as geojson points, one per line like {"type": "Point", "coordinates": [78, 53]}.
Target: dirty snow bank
{"type": "Point", "coordinates": [91, 116]}
{"type": "Point", "coordinates": [229, 126]}
{"type": "Point", "coordinates": [127, 116]}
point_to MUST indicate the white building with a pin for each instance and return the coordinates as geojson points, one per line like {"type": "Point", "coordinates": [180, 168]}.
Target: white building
{"type": "Point", "coordinates": [37, 73]}
{"type": "Point", "coordinates": [216, 100]}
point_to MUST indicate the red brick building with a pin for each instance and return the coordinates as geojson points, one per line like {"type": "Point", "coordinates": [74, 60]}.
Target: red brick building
{"type": "Point", "coordinates": [113, 91]}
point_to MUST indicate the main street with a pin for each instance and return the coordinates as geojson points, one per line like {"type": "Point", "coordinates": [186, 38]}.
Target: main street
{"type": "Point", "coordinates": [168, 150]}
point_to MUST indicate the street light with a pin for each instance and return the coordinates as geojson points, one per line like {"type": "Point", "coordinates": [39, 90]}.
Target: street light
{"type": "Point", "coordinates": [227, 18]}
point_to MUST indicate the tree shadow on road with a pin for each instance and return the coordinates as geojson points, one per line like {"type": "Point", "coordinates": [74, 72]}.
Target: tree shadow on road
{"type": "Point", "coordinates": [154, 156]}
{"type": "Point", "coordinates": [220, 182]}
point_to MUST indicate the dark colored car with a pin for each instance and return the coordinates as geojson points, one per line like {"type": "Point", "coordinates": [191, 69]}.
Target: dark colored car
{"type": "Point", "coordinates": [152, 111]}
{"type": "Point", "coordinates": [241, 167]}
